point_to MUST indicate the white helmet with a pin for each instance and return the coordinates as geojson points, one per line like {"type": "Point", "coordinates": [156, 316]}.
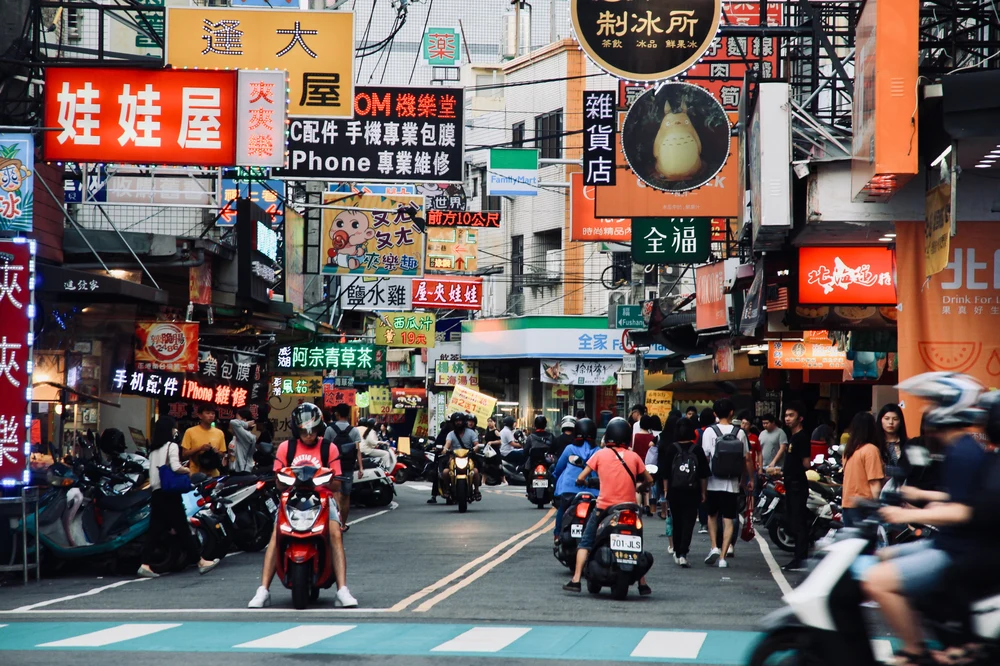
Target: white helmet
{"type": "Point", "coordinates": [954, 398]}
{"type": "Point", "coordinates": [568, 423]}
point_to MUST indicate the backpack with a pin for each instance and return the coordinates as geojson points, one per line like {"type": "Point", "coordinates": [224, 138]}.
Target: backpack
{"type": "Point", "coordinates": [348, 447]}
{"type": "Point", "coordinates": [728, 459]}
{"type": "Point", "coordinates": [324, 451]}
{"type": "Point", "coordinates": [684, 469]}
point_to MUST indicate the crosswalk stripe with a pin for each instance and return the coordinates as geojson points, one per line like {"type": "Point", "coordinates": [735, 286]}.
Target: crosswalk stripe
{"type": "Point", "coordinates": [122, 632]}
{"type": "Point", "coordinates": [298, 637]}
{"type": "Point", "coordinates": [670, 644]}
{"type": "Point", "coordinates": [482, 639]}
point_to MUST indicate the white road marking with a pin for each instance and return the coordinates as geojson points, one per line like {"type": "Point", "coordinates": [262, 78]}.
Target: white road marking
{"type": "Point", "coordinates": [194, 611]}
{"type": "Point", "coordinates": [779, 577]}
{"type": "Point", "coordinates": [670, 644]}
{"type": "Point", "coordinates": [483, 639]}
{"type": "Point", "coordinates": [392, 507]}
{"type": "Point", "coordinates": [882, 649]}
{"type": "Point", "coordinates": [121, 633]}
{"type": "Point", "coordinates": [298, 637]}
{"type": "Point", "coordinates": [416, 485]}
{"type": "Point", "coordinates": [88, 593]}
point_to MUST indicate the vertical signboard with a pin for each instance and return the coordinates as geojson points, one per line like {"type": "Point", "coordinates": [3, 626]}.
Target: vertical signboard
{"type": "Point", "coordinates": [442, 47]}
{"type": "Point", "coordinates": [583, 224]}
{"type": "Point", "coordinates": [17, 308]}
{"type": "Point", "coordinates": [710, 297]}
{"type": "Point", "coordinates": [599, 165]}
{"type": "Point", "coordinates": [17, 193]}
{"type": "Point", "coordinates": [260, 118]}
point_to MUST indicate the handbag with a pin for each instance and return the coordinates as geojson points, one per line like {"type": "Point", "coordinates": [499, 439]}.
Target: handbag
{"type": "Point", "coordinates": [171, 481]}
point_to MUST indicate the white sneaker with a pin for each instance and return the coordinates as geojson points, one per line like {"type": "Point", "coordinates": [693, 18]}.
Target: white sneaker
{"type": "Point", "coordinates": [345, 598]}
{"type": "Point", "coordinates": [677, 560]}
{"type": "Point", "coordinates": [713, 555]}
{"type": "Point", "coordinates": [723, 564]}
{"type": "Point", "coordinates": [260, 600]}
{"type": "Point", "coordinates": [702, 530]}
{"type": "Point", "coordinates": [670, 550]}
{"type": "Point", "coordinates": [683, 561]}
{"type": "Point", "coordinates": [730, 552]}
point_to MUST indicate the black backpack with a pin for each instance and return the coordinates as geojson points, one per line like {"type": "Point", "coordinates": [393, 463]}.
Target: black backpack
{"type": "Point", "coordinates": [324, 452]}
{"type": "Point", "coordinates": [728, 461]}
{"type": "Point", "coordinates": [684, 469]}
{"type": "Point", "coordinates": [348, 447]}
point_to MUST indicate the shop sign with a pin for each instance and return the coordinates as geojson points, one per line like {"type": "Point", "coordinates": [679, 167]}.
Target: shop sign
{"type": "Point", "coordinates": [220, 395]}
{"type": "Point", "coordinates": [147, 384]}
{"type": "Point", "coordinates": [161, 345]}
{"type": "Point", "coordinates": [296, 386]}
{"type": "Point", "coordinates": [676, 137]}
{"type": "Point", "coordinates": [671, 240]}
{"type": "Point", "coordinates": [792, 355]}
{"type": "Point", "coordinates": [406, 329]}
{"type": "Point", "coordinates": [370, 234]}
{"type": "Point", "coordinates": [260, 114]}
{"type": "Point", "coordinates": [409, 398]}
{"type": "Point", "coordinates": [479, 219]}
{"type": "Point", "coordinates": [847, 275]}
{"type": "Point", "coordinates": [186, 410]}
{"type": "Point", "coordinates": [583, 225]}
{"type": "Point", "coordinates": [155, 21]}
{"type": "Point", "coordinates": [334, 395]}
{"type": "Point", "coordinates": [456, 373]}
{"type": "Point", "coordinates": [937, 229]}
{"type": "Point", "coordinates": [17, 182]}
{"type": "Point", "coordinates": [723, 360]}
{"type": "Point", "coordinates": [580, 373]}
{"type": "Point", "coordinates": [599, 124]}
{"type": "Point", "coordinates": [266, 193]}
{"type": "Point", "coordinates": [448, 293]}
{"type": "Point", "coordinates": [574, 338]}
{"type": "Point", "coordinates": [379, 400]}
{"type": "Point", "coordinates": [140, 116]}
{"type": "Point", "coordinates": [512, 172]}
{"type": "Point", "coordinates": [753, 306]}
{"type": "Point", "coordinates": [376, 373]}
{"type": "Point", "coordinates": [443, 196]}
{"type": "Point", "coordinates": [159, 186]}
{"type": "Point", "coordinates": [454, 250]}
{"type": "Point", "coordinates": [316, 48]}
{"type": "Point", "coordinates": [384, 189]}
{"type": "Point", "coordinates": [377, 294]}
{"type": "Point", "coordinates": [17, 307]}
{"type": "Point", "coordinates": [658, 41]}
{"type": "Point", "coordinates": [659, 403]}
{"type": "Point", "coordinates": [464, 399]}
{"type": "Point", "coordinates": [328, 356]}
{"type": "Point", "coordinates": [229, 367]}
{"type": "Point", "coordinates": [442, 47]}
{"type": "Point", "coordinates": [200, 284]}
{"type": "Point", "coordinates": [767, 149]}
{"type": "Point", "coordinates": [91, 185]}
{"type": "Point", "coordinates": [626, 316]}
{"type": "Point", "coordinates": [710, 297]}
{"type": "Point", "coordinates": [399, 134]}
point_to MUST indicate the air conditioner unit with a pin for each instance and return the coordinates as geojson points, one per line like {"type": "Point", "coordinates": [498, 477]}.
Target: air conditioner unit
{"type": "Point", "coordinates": [553, 264]}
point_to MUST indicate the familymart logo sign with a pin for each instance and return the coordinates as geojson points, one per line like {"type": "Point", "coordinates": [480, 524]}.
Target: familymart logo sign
{"type": "Point", "coordinates": [513, 172]}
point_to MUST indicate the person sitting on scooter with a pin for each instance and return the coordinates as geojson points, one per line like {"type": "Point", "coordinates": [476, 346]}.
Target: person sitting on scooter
{"type": "Point", "coordinates": [566, 436]}
{"type": "Point", "coordinates": [585, 431]}
{"type": "Point", "coordinates": [914, 569]}
{"type": "Point", "coordinates": [443, 432]}
{"type": "Point", "coordinates": [510, 449]}
{"type": "Point", "coordinates": [461, 437]}
{"type": "Point", "coordinates": [370, 448]}
{"type": "Point", "coordinates": [619, 471]}
{"type": "Point", "coordinates": [537, 444]}
{"type": "Point", "coordinates": [306, 420]}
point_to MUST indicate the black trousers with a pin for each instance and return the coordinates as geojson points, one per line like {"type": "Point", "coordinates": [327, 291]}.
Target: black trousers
{"type": "Point", "coordinates": [166, 512]}
{"type": "Point", "coordinates": [684, 515]}
{"type": "Point", "coordinates": [797, 514]}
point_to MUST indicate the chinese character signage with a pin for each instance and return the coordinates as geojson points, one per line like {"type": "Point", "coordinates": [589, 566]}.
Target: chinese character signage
{"type": "Point", "coordinates": [442, 47]}
{"type": "Point", "coordinates": [296, 386]}
{"type": "Point", "coordinates": [448, 293]}
{"type": "Point", "coordinates": [410, 135]}
{"type": "Point", "coordinates": [937, 228]}
{"type": "Point", "coordinates": [230, 367]}
{"type": "Point", "coordinates": [444, 197]}
{"type": "Point", "coordinates": [17, 184]}
{"type": "Point", "coordinates": [671, 240]}
{"type": "Point", "coordinates": [659, 403]}
{"type": "Point", "coordinates": [584, 225]}
{"type": "Point", "coordinates": [266, 193]}
{"type": "Point", "coordinates": [482, 219]}
{"type": "Point", "coordinates": [370, 234]}
{"type": "Point", "coordinates": [91, 185]}
{"type": "Point", "coordinates": [512, 172]}
{"type": "Point", "coordinates": [406, 329]}
{"type": "Point", "coordinates": [17, 304]}
{"type": "Point", "coordinates": [648, 41]}
{"type": "Point", "coordinates": [676, 137]}
{"type": "Point", "coordinates": [796, 355]}
{"type": "Point", "coordinates": [580, 373]}
{"type": "Point", "coordinates": [147, 383]}
{"type": "Point", "coordinates": [626, 316]}
{"type": "Point", "coordinates": [161, 345]}
{"type": "Point", "coordinates": [847, 275]}
{"type": "Point", "coordinates": [456, 373]}
{"type": "Point", "coordinates": [464, 399]}
{"type": "Point", "coordinates": [329, 356]}
{"type": "Point", "coordinates": [220, 394]}
{"type": "Point", "coordinates": [599, 120]}
{"type": "Point", "coordinates": [140, 116]}
{"type": "Point", "coordinates": [260, 113]}
{"type": "Point", "coordinates": [334, 395]}
{"type": "Point", "coordinates": [453, 250]}
{"type": "Point", "coordinates": [316, 48]}
{"type": "Point", "coordinates": [710, 297]}
{"type": "Point", "coordinates": [409, 398]}
{"type": "Point", "coordinates": [377, 294]}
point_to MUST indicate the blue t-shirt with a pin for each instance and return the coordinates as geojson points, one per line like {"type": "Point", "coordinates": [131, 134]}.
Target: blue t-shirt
{"type": "Point", "coordinates": [964, 463]}
{"type": "Point", "coordinates": [566, 474]}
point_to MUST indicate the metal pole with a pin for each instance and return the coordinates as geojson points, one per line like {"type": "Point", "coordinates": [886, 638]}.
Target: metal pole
{"type": "Point", "coordinates": [24, 536]}
{"type": "Point", "coordinates": [38, 551]}
{"type": "Point", "coordinates": [74, 223]}
{"type": "Point", "coordinates": [517, 28]}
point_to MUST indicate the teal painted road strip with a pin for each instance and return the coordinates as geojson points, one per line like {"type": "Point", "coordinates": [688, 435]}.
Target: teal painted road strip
{"type": "Point", "coordinates": [621, 644]}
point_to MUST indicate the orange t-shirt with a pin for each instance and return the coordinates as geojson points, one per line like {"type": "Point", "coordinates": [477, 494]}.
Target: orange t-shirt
{"type": "Point", "coordinates": [617, 486]}
{"type": "Point", "coordinates": [864, 466]}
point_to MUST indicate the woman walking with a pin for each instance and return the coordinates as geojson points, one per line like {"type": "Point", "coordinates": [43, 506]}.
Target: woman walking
{"type": "Point", "coordinates": [166, 509]}
{"type": "Point", "coordinates": [863, 469]}
{"type": "Point", "coordinates": [891, 433]}
{"type": "Point", "coordinates": [684, 487]}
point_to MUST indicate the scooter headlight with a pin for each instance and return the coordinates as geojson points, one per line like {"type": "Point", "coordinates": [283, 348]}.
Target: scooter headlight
{"type": "Point", "coordinates": [286, 479]}
{"type": "Point", "coordinates": [302, 520]}
{"type": "Point", "coordinates": [322, 480]}
{"type": "Point", "coordinates": [461, 463]}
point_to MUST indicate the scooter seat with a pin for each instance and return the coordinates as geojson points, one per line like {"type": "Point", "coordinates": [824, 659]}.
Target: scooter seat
{"type": "Point", "coordinates": [629, 506]}
{"type": "Point", "coordinates": [123, 502]}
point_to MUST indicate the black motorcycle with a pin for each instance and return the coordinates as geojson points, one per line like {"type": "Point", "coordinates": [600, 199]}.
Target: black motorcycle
{"type": "Point", "coordinates": [573, 522]}
{"type": "Point", "coordinates": [419, 462]}
{"type": "Point", "coordinates": [538, 473]}
{"type": "Point", "coordinates": [618, 560]}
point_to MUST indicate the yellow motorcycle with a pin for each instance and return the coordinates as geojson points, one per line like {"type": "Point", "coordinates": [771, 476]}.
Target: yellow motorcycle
{"type": "Point", "coordinates": [459, 485]}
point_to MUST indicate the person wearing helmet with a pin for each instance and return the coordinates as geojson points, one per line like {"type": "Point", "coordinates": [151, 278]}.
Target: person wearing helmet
{"type": "Point", "coordinates": [953, 415]}
{"type": "Point", "coordinates": [511, 450]}
{"type": "Point", "coordinates": [462, 437]}
{"type": "Point", "coordinates": [307, 450]}
{"type": "Point", "coordinates": [619, 470]}
{"type": "Point", "coordinates": [540, 439]}
{"type": "Point", "coordinates": [566, 483]}
{"type": "Point", "coordinates": [566, 436]}
{"type": "Point", "coordinates": [443, 431]}
{"type": "Point", "coordinates": [370, 446]}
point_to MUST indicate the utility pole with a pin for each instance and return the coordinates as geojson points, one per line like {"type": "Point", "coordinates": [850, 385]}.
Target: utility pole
{"type": "Point", "coordinates": [517, 28]}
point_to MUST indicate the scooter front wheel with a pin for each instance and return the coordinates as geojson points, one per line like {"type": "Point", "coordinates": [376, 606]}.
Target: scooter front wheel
{"type": "Point", "coordinates": [300, 585]}
{"type": "Point", "coordinates": [781, 537]}
{"type": "Point", "coordinates": [786, 648]}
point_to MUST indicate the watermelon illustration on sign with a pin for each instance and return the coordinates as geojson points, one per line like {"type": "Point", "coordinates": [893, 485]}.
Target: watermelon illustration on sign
{"type": "Point", "coordinates": [950, 356]}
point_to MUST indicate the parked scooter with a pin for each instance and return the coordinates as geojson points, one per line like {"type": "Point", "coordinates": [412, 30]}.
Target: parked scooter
{"type": "Point", "coordinates": [418, 464]}
{"type": "Point", "coordinates": [374, 488]}
{"type": "Point", "coordinates": [824, 512]}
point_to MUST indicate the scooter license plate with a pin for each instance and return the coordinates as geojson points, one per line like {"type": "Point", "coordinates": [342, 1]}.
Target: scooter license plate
{"type": "Point", "coordinates": [626, 543]}
{"type": "Point", "coordinates": [576, 531]}
{"type": "Point", "coordinates": [271, 506]}
{"type": "Point", "coordinates": [540, 483]}
{"type": "Point", "coordinates": [774, 503]}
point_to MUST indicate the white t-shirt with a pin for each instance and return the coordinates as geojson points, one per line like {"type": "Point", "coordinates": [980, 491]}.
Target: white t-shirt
{"type": "Point", "coordinates": [708, 439]}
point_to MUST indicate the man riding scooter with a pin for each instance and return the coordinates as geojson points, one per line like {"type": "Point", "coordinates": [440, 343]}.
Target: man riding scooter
{"type": "Point", "coordinates": [305, 421]}
{"type": "Point", "coordinates": [537, 445]}
{"type": "Point", "coordinates": [461, 437]}
{"type": "Point", "coordinates": [566, 436]}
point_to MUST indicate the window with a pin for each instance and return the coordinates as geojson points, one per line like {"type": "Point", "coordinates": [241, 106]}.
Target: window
{"type": "Point", "coordinates": [621, 271]}
{"type": "Point", "coordinates": [548, 134]}
{"type": "Point", "coordinates": [517, 135]}
{"type": "Point", "coordinates": [487, 202]}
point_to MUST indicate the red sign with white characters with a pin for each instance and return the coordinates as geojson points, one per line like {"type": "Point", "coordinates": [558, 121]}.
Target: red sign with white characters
{"type": "Point", "coordinates": [140, 116]}
{"type": "Point", "coordinates": [847, 275]}
{"type": "Point", "coordinates": [448, 293]}
{"type": "Point", "coordinates": [17, 304]}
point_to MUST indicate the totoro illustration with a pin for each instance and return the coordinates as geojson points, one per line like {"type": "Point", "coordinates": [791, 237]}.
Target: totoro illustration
{"type": "Point", "coordinates": [677, 146]}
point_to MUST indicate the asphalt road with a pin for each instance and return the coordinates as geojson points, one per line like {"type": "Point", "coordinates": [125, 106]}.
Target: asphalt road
{"type": "Point", "coordinates": [476, 588]}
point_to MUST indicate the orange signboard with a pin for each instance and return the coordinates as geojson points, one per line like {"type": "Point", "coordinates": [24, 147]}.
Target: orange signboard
{"type": "Point", "coordinates": [798, 355]}
{"type": "Point", "coordinates": [710, 297]}
{"type": "Point", "coordinates": [584, 225]}
{"type": "Point", "coordinates": [847, 275]}
{"type": "Point", "coordinates": [166, 345]}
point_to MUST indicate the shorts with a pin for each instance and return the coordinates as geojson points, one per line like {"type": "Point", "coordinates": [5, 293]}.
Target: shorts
{"type": "Point", "coordinates": [589, 535]}
{"type": "Point", "coordinates": [721, 502]}
{"type": "Point", "coordinates": [919, 565]}
{"type": "Point", "coordinates": [346, 482]}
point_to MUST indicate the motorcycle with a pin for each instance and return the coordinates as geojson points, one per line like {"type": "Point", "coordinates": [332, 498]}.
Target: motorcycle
{"type": "Point", "coordinates": [824, 515]}
{"type": "Point", "coordinates": [374, 488]}
{"type": "Point", "coordinates": [250, 504]}
{"type": "Point", "coordinates": [542, 486]}
{"type": "Point", "coordinates": [617, 560]}
{"type": "Point", "coordinates": [305, 563]}
{"type": "Point", "coordinates": [573, 522]}
{"type": "Point", "coordinates": [456, 484]}
{"type": "Point", "coordinates": [418, 464]}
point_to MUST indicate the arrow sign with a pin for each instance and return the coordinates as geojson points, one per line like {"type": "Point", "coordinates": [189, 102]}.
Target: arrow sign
{"type": "Point", "coordinates": [227, 213]}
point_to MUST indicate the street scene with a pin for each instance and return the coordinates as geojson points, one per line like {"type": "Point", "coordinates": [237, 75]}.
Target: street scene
{"type": "Point", "coordinates": [499, 332]}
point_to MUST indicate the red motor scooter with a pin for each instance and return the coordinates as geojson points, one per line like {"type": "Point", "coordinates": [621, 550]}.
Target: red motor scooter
{"type": "Point", "coordinates": [305, 563]}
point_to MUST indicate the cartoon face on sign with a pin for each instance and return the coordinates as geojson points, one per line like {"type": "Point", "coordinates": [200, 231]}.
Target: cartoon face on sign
{"type": "Point", "coordinates": [165, 342]}
{"type": "Point", "coordinates": [350, 233]}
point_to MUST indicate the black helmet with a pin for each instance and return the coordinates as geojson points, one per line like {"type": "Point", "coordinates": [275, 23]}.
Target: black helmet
{"type": "Point", "coordinates": [541, 423]}
{"type": "Point", "coordinates": [471, 419]}
{"type": "Point", "coordinates": [508, 421]}
{"type": "Point", "coordinates": [586, 429]}
{"type": "Point", "coordinates": [306, 417]}
{"type": "Point", "coordinates": [112, 442]}
{"type": "Point", "coordinates": [618, 432]}
{"type": "Point", "coordinates": [990, 402]}
{"type": "Point", "coordinates": [457, 419]}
